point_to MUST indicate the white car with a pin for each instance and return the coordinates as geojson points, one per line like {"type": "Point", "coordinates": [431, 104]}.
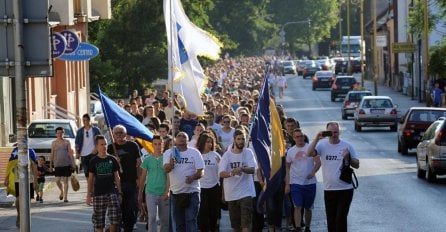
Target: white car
{"type": "Point", "coordinates": [42, 132]}
{"type": "Point", "coordinates": [376, 111]}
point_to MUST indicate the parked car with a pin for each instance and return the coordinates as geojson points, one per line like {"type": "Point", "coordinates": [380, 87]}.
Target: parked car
{"type": "Point", "coordinates": [323, 79]}
{"type": "Point", "coordinates": [431, 151]}
{"type": "Point", "coordinates": [413, 125]}
{"type": "Point", "coordinates": [342, 85]}
{"type": "Point", "coordinates": [289, 67]}
{"type": "Point", "coordinates": [310, 69]}
{"type": "Point", "coordinates": [351, 101]}
{"type": "Point", "coordinates": [376, 111]}
{"type": "Point", "coordinates": [41, 133]}
{"type": "Point", "coordinates": [96, 113]}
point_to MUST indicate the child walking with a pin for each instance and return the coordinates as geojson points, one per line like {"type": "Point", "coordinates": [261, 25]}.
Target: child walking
{"type": "Point", "coordinates": [41, 171]}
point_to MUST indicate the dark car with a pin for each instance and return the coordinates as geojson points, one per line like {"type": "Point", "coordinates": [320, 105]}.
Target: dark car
{"type": "Point", "coordinates": [413, 125]}
{"type": "Point", "coordinates": [340, 66]}
{"type": "Point", "coordinates": [323, 79]}
{"type": "Point", "coordinates": [310, 69]}
{"type": "Point", "coordinates": [351, 101]}
{"type": "Point", "coordinates": [342, 85]}
{"type": "Point", "coordinates": [356, 66]}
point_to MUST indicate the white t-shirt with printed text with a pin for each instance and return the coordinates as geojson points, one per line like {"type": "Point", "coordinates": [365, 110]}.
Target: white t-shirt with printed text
{"type": "Point", "coordinates": [331, 161]}
{"type": "Point", "coordinates": [211, 177]}
{"type": "Point", "coordinates": [190, 161]}
{"type": "Point", "coordinates": [238, 187]}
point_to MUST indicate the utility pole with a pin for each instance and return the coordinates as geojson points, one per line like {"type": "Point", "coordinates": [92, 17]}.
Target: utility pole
{"type": "Point", "coordinates": [375, 51]}
{"type": "Point", "coordinates": [349, 66]}
{"type": "Point", "coordinates": [361, 45]}
{"type": "Point", "coordinates": [22, 143]}
{"type": "Point", "coordinates": [426, 51]}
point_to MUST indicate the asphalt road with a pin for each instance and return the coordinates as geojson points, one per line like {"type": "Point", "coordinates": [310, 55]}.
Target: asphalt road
{"type": "Point", "coordinates": [389, 197]}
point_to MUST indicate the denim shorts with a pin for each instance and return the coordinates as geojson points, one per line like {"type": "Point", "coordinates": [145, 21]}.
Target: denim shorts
{"type": "Point", "coordinates": [303, 195]}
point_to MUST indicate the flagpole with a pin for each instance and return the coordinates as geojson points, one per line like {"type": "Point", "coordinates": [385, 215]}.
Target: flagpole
{"type": "Point", "coordinates": [104, 110]}
{"type": "Point", "coordinates": [171, 75]}
{"type": "Point", "coordinates": [261, 94]}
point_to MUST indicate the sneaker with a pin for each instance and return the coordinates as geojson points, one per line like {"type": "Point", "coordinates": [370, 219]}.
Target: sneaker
{"type": "Point", "coordinates": [41, 200]}
{"type": "Point", "coordinates": [291, 228]}
{"type": "Point", "coordinates": [37, 198]}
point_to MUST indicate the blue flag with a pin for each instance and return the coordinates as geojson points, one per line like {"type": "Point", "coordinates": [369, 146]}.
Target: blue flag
{"type": "Point", "coordinates": [270, 162]}
{"type": "Point", "coordinates": [116, 115]}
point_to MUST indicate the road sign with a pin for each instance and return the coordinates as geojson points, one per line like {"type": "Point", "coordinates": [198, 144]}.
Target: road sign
{"type": "Point", "coordinates": [85, 51]}
{"type": "Point", "coordinates": [381, 41]}
{"type": "Point", "coordinates": [36, 38]}
{"type": "Point", "coordinates": [403, 47]}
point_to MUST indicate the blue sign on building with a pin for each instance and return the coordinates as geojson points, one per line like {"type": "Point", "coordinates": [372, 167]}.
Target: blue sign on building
{"type": "Point", "coordinates": [85, 51]}
{"type": "Point", "coordinates": [72, 41]}
{"type": "Point", "coordinates": [59, 43]}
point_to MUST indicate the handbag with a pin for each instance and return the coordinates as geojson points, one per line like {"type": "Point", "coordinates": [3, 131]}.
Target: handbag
{"type": "Point", "coordinates": [347, 174]}
{"type": "Point", "coordinates": [75, 183]}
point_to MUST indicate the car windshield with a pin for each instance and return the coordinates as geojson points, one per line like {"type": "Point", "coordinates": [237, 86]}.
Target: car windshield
{"type": "Point", "coordinates": [48, 130]}
{"type": "Point", "coordinates": [358, 96]}
{"type": "Point", "coordinates": [287, 63]}
{"type": "Point", "coordinates": [426, 115]}
{"type": "Point", "coordinates": [377, 103]}
{"type": "Point", "coordinates": [345, 81]}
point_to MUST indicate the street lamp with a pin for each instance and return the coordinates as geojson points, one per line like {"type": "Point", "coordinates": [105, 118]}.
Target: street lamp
{"type": "Point", "coordinates": [282, 31]}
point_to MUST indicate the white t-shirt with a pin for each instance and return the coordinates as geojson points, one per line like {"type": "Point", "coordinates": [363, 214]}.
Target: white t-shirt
{"type": "Point", "coordinates": [238, 187]}
{"type": "Point", "coordinates": [88, 146]}
{"type": "Point", "coordinates": [211, 177]}
{"type": "Point", "coordinates": [191, 160]}
{"type": "Point", "coordinates": [301, 165]}
{"type": "Point", "coordinates": [217, 128]}
{"type": "Point", "coordinates": [192, 143]}
{"type": "Point", "coordinates": [227, 138]}
{"type": "Point", "coordinates": [331, 161]}
{"type": "Point", "coordinates": [281, 81]}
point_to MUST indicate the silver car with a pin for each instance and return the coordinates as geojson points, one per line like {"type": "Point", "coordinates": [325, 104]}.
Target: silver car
{"type": "Point", "coordinates": [376, 111]}
{"type": "Point", "coordinates": [431, 151]}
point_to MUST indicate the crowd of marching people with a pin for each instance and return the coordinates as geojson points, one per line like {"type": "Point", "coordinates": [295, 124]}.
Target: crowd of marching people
{"type": "Point", "coordinates": [201, 165]}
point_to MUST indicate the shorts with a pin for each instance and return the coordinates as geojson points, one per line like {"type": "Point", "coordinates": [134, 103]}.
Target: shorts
{"type": "Point", "coordinates": [240, 212]}
{"type": "Point", "coordinates": [106, 203]}
{"type": "Point", "coordinates": [40, 186]}
{"type": "Point", "coordinates": [31, 190]}
{"type": "Point", "coordinates": [62, 171]}
{"type": "Point", "coordinates": [303, 195]}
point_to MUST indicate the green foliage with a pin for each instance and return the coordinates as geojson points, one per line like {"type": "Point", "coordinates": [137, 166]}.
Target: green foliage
{"type": "Point", "coordinates": [324, 15]}
{"type": "Point", "coordinates": [416, 18]}
{"type": "Point", "coordinates": [437, 60]}
{"type": "Point", "coordinates": [244, 22]}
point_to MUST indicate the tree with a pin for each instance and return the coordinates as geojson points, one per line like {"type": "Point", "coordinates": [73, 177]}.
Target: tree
{"type": "Point", "coordinates": [322, 13]}
{"type": "Point", "coordinates": [245, 22]}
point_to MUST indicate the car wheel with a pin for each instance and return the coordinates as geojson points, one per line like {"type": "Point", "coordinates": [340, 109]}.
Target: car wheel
{"type": "Point", "coordinates": [314, 88]}
{"type": "Point", "coordinates": [333, 98]}
{"type": "Point", "coordinates": [404, 149]}
{"type": "Point", "coordinates": [344, 116]}
{"type": "Point", "coordinates": [431, 177]}
{"type": "Point", "coordinates": [393, 128]}
{"type": "Point", "coordinates": [399, 146]}
{"type": "Point", "coordinates": [420, 172]}
{"type": "Point", "coordinates": [357, 127]}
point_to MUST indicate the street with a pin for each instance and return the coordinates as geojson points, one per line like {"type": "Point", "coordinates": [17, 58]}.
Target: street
{"type": "Point", "coordinates": [389, 198]}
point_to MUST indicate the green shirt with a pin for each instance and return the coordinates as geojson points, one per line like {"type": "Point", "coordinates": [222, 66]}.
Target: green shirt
{"type": "Point", "coordinates": [156, 177]}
